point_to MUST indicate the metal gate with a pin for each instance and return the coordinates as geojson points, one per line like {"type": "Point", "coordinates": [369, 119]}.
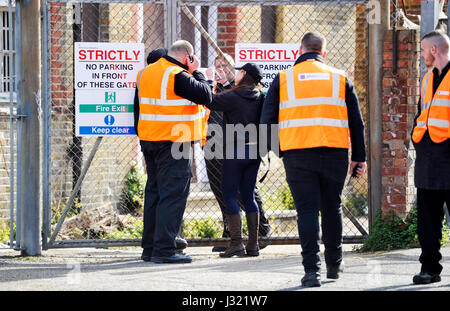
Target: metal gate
{"type": "Point", "coordinates": [94, 187]}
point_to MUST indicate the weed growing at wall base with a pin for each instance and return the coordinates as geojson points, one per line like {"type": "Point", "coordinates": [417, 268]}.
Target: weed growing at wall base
{"type": "Point", "coordinates": [391, 232]}
{"type": "Point", "coordinates": [4, 232]}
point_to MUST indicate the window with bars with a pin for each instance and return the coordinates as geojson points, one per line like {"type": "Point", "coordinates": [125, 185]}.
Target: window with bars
{"type": "Point", "coordinates": [7, 51]}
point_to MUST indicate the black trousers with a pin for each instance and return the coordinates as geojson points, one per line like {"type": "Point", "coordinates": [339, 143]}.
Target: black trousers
{"type": "Point", "coordinates": [214, 172]}
{"type": "Point", "coordinates": [430, 214]}
{"type": "Point", "coordinates": [166, 193]}
{"type": "Point", "coordinates": [316, 179]}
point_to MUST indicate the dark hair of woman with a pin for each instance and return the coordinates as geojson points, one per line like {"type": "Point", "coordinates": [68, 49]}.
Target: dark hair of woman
{"type": "Point", "coordinates": [246, 82]}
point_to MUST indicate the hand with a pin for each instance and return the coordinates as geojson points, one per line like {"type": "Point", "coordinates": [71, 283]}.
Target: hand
{"type": "Point", "coordinates": [360, 171]}
{"type": "Point", "coordinates": [221, 76]}
{"type": "Point", "coordinates": [210, 73]}
{"type": "Point", "coordinates": [194, 65]}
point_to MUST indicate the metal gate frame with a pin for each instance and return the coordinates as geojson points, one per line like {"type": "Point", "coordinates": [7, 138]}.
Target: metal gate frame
{"type": "Point", "coordinates": [172, 10]}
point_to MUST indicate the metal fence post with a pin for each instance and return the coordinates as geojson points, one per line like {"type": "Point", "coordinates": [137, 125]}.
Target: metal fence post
{"type": "Point", "coordinates": [376, 36]}
{"type": "Point", "coordinates": [30, 151]}
{"type": "Point", "coordinates": [448, 21]}
{"type": "Point", "coordinates": [171, 22]}
{"type": "Point", "coordinates": [430, 10]}
{"type": "Point", "coordinates": [46, 131]}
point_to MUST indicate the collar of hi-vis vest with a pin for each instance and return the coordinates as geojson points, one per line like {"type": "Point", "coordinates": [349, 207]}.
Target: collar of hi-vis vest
{"type": "Point", "coordinates": [174, 61]}
{"type": "Point", "coordinates": [292, 101]}
{"type": "Point", "coordinates": [309, 56]}
{"type": "Point", "coordinates": [163, 101]}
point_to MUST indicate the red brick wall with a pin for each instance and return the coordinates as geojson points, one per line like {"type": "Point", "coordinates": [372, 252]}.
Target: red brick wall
{"type": "Point", "coordinates": [228, 28]}
{"type": "Point", "coordinates": [400, 96]}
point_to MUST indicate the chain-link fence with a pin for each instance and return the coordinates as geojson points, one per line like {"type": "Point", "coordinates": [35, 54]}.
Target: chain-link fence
{"type": "Point", "coordinates": [96, 185]}
{"type": "Point", "coordinates": [8, 117]}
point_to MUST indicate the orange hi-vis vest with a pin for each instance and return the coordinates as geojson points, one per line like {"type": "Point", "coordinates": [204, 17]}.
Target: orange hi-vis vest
{"type": "Point", "coordinates": [312, 112]}
{"type": "Point", "coordinates": [163, 115]}
{"type": "Point", "coordinates": [435, 110]}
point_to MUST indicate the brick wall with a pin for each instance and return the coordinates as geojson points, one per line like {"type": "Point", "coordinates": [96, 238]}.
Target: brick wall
{"type": "Point", "coordinates": [4, 162]}
{"type": "Point", "coordinates": [228, 28]}
{"type": "Point", "coordinates": [400, 96]}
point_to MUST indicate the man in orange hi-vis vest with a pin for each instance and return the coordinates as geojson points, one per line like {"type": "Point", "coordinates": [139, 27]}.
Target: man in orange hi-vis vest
{"type": "Point", "coordinates": [170, 93]}
{"type": "Point", "coordinates": [317, 112]}
{"type": "Point", "coordinates": [430, 136]}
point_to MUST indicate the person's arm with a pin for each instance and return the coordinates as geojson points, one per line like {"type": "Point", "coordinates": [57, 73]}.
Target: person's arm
{"type": "Point", "coordinates": [271, 105]}
{"type": "Point", "coordinates": [194, 88]}
{"type": "Point", "coordinates": [269, 115]}
{"type": "Point", "coordinates": [356, 127]}
{"type": "Point", "coordinates": [136, 110]}
{"type": "Point", "coordinates": [222, 102]}
{"type": "Point", "coordinates": [419, 110]}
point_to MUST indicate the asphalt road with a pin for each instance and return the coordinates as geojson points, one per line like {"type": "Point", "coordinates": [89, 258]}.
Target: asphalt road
{"type": "Point", "coordinates": [278, 268]}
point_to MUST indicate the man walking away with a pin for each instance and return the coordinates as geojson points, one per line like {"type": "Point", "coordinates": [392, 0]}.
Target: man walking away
{"type": "Point", "coordinates": [317, 112]}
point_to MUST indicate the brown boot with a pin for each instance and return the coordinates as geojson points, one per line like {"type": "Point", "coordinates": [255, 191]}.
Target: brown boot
{"type": "Point", "coordinates": [236, 247]}
{"type": "Point", "coordinates": [252, 247]}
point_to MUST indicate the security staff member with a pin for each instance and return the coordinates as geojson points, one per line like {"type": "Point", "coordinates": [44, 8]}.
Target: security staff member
{"type": "Point", "coordinates": [316, 107]}
{"type": "Point", "coordinates": [430, 136]}
{"type": "Point", "coordinates": [170, 92]}
{"type": "Point", "coordinates": [153, 57]}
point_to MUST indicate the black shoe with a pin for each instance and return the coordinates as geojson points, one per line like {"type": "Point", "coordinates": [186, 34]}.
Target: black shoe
{"type": "Point", "coordinates": [426, 278]}
{"type": "Point", "coordinates": [333, 271]}
{"type": "Point", "coordinates": [311, 279]}
{"type": "Point", "coordinates": [175, 258]}
{"type": "Point", "coordinates": [146, 254]}
{"type": "Point", "coordinates": [180, 243]}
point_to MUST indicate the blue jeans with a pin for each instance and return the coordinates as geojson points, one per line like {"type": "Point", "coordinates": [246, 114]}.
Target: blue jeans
{"type": "Point", "coordinates": [239, 175]}
{"type": "Point", "coordinates": [316, 178]}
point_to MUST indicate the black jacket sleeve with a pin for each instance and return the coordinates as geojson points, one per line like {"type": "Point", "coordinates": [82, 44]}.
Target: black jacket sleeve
{"type": "Point", "coordinates": [222, 102]}
{"type": "Point", "coordinates": [269, 116]}
{"type": "Point", "coordinates": [355, 123]}
{"type": "Point", "coordinates": [136, 110]}
{"type": "Point", "coordinates": [271, 106]}
{"type": "Point", "coordinates": [419, 110]}
{"type": "Point", "coordinates": [194, 88]}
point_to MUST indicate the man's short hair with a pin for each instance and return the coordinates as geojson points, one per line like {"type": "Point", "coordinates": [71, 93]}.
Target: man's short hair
{"type": "Point", "coordinates": [435, 33]}
{"type": "Point", "coordinates": [181, 48]}
{"type": "Point", "coordinates": [439, 39]}
{"type": "Point", "coordinates": [314, 42]}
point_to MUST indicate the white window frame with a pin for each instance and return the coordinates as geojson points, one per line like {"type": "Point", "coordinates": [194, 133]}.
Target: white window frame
{"type": "Point", "coordinates": [7, 49]}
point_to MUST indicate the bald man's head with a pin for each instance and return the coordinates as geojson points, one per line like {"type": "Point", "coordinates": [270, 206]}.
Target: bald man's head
{"type": "Point", "coordinates": [434, 44]}
{"type": "Point", "coordinates": [313, 42]}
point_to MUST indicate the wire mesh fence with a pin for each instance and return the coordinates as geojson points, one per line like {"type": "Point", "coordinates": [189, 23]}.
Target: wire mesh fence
{"type": "Point", "coordinates": [8, 124]}
{"type": "Point", "coordinates": [108, 206]}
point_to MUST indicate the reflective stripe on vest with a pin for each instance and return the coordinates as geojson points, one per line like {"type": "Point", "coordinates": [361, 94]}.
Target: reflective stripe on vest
{"type": "Point", "coordinates": [172, 117]}
{"type": "Point", "coordinates": [435, 110]}
{"type": "Point", "coordinates": [308, 122]}
{"type": "Point", "coordinates": [166, 117]}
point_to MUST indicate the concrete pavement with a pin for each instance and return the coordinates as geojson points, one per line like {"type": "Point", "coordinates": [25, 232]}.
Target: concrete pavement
{"type": "Point", "coordinates": [278, 268]}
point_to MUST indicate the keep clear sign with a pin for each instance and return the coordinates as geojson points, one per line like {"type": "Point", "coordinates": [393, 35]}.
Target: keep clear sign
{"type": "Point", "coordinates": [105, 81]}
{"type": "Point", "coordinates": [271, 58]}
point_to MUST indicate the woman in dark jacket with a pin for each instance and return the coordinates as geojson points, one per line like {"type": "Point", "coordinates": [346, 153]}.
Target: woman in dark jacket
{"type": "Point", "coordinates": [241, 107]}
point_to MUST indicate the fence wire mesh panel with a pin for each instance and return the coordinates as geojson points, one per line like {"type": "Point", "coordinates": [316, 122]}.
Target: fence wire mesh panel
{"type": "Point", "coordinates": [8, 124]}
{"type": "Point", "coordinates": [108, 207]}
